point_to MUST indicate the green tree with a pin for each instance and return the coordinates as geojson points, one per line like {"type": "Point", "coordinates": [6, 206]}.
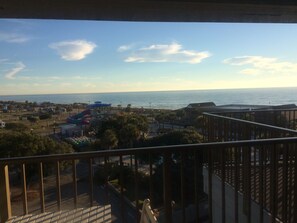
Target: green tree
{"type": "Point", "coordinates": [128, 128]}
{"type": "Point", "coordinates": [16, 144]}
{"type": "Point", "coordinates": [129, 134]}
{"type": "Point", "coordinates": [16, 126]}
{"type": "Point", "coordinates": [109, 139]}
{"type": "Point", "coordinates": [187, 136]}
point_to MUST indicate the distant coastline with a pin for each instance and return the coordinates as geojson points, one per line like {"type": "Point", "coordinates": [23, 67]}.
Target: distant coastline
{"type": "Point", "coordinates": [171, 99]}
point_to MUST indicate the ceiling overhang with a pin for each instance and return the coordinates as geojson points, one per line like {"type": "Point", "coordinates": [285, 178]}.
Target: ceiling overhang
{"type": "Point", "coordinates": [263, 11]}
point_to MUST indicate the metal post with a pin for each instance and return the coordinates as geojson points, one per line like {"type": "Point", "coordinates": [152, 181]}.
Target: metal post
{"type": "Point", "coordinates": [74, 179]}
{"type": "Point", "coordinates": [41, 188]}
{"type": "Point", "coordinates": [294, 182]}
{"type": "Point", "coordinates": [91, 181]}
{"type": "Point", "coordinates": [24, 184]}
{"type": "Point", "coordinates": [58, 185]}
{"type": "Point", "coordinates": [136, 182]}
{"type": "Point", "coordinates": [5, 205]}
{"type": "Point", "coordinates": [167, 187]}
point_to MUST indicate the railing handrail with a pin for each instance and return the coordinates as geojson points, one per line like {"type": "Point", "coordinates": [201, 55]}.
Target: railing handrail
{"type": "Point", "coordinates": [276, 128]}
{"type": "Point", "coordinates": [253, 111]}
{"type": "Point", "coordinates": [157, 149]}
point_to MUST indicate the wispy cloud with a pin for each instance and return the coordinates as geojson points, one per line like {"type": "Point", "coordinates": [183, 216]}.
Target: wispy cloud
{"type": "Point", "coordinates": [3, 60]}
{"type": "Point", "coordinates": [73, 50]}
{"type": "Point", "coordinates": [90, 85]}
{"type": "Point", "coordinates": [13, 37]}
{"type": "Point", "coordinates": [65, 84]}
{"type": "Point", "coordinates": [41, 84]}
{"type": "Point", "coordinates": [262, 65]}
{"type": "Point", "coordinates": [87, 77]}
{"type": "Point", "coordinates": [160, 53]}
{"type": "Point", "coordinates": [124, 48]}
{"type": "Point", "coordinates": [18, 67]}
{"type": "Point", "coordinates": [54, 78]}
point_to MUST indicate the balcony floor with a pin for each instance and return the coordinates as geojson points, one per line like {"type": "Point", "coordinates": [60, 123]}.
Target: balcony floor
{"type": "Point", "coordinates": [100, 214]}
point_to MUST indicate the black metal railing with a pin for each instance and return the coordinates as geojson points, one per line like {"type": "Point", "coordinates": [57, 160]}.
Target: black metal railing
{"type": "Point", "coordinates": [286, 118]}
{"type": "Point", "coordinates": [218, 128]}
{"type": "Point", "coordinates": [244, 172]}
{"type": "Point", "coordinates": [251, 167]}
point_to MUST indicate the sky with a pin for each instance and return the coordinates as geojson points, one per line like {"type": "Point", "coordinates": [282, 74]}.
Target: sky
{"type": "Point", "coordinates": [58, 56]}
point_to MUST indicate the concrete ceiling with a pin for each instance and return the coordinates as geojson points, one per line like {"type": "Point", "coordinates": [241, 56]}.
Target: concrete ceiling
{"type": "Point", "coordinates": [274, 11]}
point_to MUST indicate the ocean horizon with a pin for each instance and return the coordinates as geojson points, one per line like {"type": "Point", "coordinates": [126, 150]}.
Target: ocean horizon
{"type": "Point", "coordinates": [170, 99]}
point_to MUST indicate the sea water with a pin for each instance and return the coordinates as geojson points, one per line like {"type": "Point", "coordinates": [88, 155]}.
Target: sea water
{"type": "Point", "coordinates": [171, 99]}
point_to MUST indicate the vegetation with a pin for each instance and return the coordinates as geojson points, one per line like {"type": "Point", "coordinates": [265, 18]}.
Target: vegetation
{"type": "Point", "coordinates": [14, 144]}
{"type": "Point", "coordinates": [45, 116]}
{"type": "Point", "coordinates": [16, 126]}
{"type": "Point", "coordinates": [124, 130]}
{"type": "Point", "coordinates": [109, 139]}
{"type": "Point", "coordinates": [186, 136]}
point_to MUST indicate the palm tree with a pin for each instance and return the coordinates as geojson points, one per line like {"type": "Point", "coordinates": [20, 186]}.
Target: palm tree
{"type": "Point", "coordinates": [109, 139]}
{"type": "Point", "coordinates": [129, 134]}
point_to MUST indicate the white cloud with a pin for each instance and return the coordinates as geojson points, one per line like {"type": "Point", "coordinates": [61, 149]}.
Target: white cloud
{"type": "Point", "coordinates": [54, 78]}
{"type": "Point", "coordinates": [19, 66]}
{"type": "Point", "coordinates": [66, 84]}
{"type": "Point", "coordinates": [3, 60]}
{"type": "Point", "coordinates": [89, 85]}
{"type": "Point", "coordinates": [250, 71]}
{"type": "Point", "coordinates": [41, 84]}
{"type": "Point", "coordinates": [87, 77]}
{"type": "Point", "coordinates": [259, 65]}
{"type": "Point", "coordinates": [13, 38]}
{"type": "Point", "coordinates": [73, 50]}
{"type": "Point", "coordinates": [160, 53]}
{"type": "Point", "coordinates": [125, 48]}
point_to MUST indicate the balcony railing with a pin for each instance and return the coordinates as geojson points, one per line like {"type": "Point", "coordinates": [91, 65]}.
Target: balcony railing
{"type": "Point", "coordinates": [286, 118]}
{"type": "Point", "coordinates": [218, 128]}
{"type": "Point", "coordinates": [243, 176]}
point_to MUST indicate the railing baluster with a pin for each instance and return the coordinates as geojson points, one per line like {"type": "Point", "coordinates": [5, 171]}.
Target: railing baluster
{"type": "Point", "coordinates": [223, 168]}
{"type": "Point", "coordinates": [41, 188]}
{"type": "Point", "coordinates": [295, 183]}
{"type": "Point", "coordinates": [167, 187]}
{"type": "Point", "coordinates": [182, 178]}
{"type": "Point", "coordinates": [107, 179]}
{"type": "Point", "coordinates": [151, 179]}
{"type": "Point", "coordinates": [198, 166]}
{"type": "Point", "coordinates": [249, 194]}
{"type": "Point", "coordinates": [136, 187]}
{"type": "Point", "coordinates": [290, 121]}
{"type": "Point", "coordinates": [247, 182]}
{"type": "Point", "coordinates": [261, 185]}
{"type": "Point", "coordinates": [91, 187]}
{"type": "Point", "coordinates": [236, 184]}
{"type": "Point", "coordinates": [24, 192]}
{"type": "Point", "coordinates": [74, 179]}
{"type": "Point", "coordinates": [290, 186]}
{"type": "Point", "coordinates": [122, 190]}
{"type": "Point", "coordinates": [209, 155]}
{"type": "Point", "coordinates": [285, 184]}
{"type": "Point", "coordinates": [294, 120]}
{"type": "Point", "coordinates": [58, 184]}
{"type": "Point", "coordinates": [255, 174]}
{"type": "Point", "coordinates": [5, 205]}
{"type": "Point", "coordinates": [273, 178]}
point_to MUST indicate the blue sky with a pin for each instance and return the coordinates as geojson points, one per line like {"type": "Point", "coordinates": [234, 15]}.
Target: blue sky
{"type": "Point", "coordinates": [50, 56]}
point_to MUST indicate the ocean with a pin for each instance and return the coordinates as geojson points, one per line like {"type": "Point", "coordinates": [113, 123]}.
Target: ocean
{"type": "Point", "coordinates": [171, 99]}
